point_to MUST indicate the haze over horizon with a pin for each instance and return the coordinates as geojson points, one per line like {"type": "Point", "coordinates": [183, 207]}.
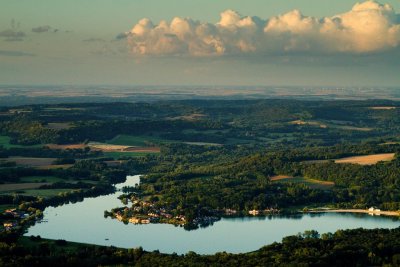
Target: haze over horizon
{"type": "Point", "coordinates": [229, 42]}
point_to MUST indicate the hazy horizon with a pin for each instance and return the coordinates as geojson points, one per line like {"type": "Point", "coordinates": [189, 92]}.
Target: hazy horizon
{"type": "Point", "coordinates": [223, 43]}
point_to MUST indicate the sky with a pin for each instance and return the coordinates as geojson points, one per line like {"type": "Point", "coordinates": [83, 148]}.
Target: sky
{"type": "Point", "coordinates": [200, 42]}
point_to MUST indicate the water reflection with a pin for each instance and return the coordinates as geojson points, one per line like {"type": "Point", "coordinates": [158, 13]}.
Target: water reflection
{"type": "Point", "coordinates": [84, 222]}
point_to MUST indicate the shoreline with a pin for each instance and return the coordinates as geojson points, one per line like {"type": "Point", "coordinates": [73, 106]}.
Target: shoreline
{"type": "Point", "coordinates": [385, 213]}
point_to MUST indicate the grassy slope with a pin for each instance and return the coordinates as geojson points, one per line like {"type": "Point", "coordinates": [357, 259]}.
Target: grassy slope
{"type": "Point", "coordinates": [5, 142]}
{"type": "Point", "coordinates": [40, 179]}
{"type": "Point", "coordinates": [130, 140]}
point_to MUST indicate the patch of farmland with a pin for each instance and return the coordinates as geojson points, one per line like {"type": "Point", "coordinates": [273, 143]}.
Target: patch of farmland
{"type": "Point", "coordinates": [383, 108]}
{"type": "Point", "coordinates": [131, 140]}
{"type": "Point", "coordinates": [31, 162]}
{"type": "Point", "coordinates": [69, 146]}
{"type": "Point", "coordinates": [367, 159]}
{"type": "Point", "coordinates": [20, 186]}
{"type": "Point", "coordinates": [312, 183]}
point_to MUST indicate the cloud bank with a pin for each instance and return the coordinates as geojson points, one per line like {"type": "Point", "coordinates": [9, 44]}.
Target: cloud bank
{"type": "Point", "coordinates": [369, 27]}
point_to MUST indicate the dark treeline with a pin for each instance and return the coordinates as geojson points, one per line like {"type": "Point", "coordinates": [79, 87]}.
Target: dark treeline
{"type": "Point", "coordinates": [45, 152]}
{"type": "Point", "coordinates": [13, 174]}
{"type": "Point", "coordinates": [359, 247]}
{"type": "Point", "coordinates": [81, 170]}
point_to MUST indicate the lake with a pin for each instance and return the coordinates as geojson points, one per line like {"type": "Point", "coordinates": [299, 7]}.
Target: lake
{"type": "Point", "coordinates": [84, 222]}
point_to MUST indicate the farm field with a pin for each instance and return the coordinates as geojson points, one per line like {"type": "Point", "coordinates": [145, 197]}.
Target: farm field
{"type": "Point", "coordinates": [352, 128]}
{"type": "Point", "coordinates": [69, 146]}
{"type": "Point", "coordinates": [383, 108]}
{"type": "Point", "coordinates": [191, 117]}
{"type": "Point", "coordinates": [20, 186]}
{"type": "Point", "coordinates": [367, 160]}
{"type": "Point", "coordinates": [63, 109]}
{"type": "Point", "coordinates": [107, 147]}
{"type": "Point", "coordinates": [41, 179]}
{"type": "Point", "coordinates": [390, 143]}
{"type": "Point", "coordinates": [5, 142]}
{"type": "Point", "coordinates": [202, 144]}
{"type": "Point", "coordinates": [58, 166]}
{"type": "Point", "coordinates": [280, 177]}
{"type": "Point", "coordinates": [31, 162]}
{"type": "Point", "coordinates": [312, 123]}
{"type": "Point", "coordinates": [333, 125]}
{"type": "Point", "coordinates": [312, 183]}
{"type": "Point", "coordinates": [130, 140]}
{"type": "Point", "coordinates": [143, 149]}
{"type": "Point", "coordinates": [43, 192]}
{"type": "Point", "coordinates": [120, 148]}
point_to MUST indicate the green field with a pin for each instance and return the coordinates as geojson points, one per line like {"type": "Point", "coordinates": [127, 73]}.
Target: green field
{"type": "Point", "coordinates": [41, 179]}
{"type": "Point", "coordinates": [117, 155]}
{"type": "Point", "coordinates": [5, 142]}
{"type": "Point", "coordinates": [43, 192]}
{"type": "Point", "coordinates": [130, 140]}
{"type": "Point", "coordinates": [312, 183]}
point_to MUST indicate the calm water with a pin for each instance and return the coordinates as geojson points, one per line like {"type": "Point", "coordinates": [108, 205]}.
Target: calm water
{"type": "Point", "coordinates": [84, 222]}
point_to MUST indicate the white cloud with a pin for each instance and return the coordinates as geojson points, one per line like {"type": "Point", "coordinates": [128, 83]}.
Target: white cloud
{"type": "Point", "coordinates": [367, 27]}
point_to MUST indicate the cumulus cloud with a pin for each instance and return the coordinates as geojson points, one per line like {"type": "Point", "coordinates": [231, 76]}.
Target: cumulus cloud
{"type": "Point", "coordinates": [41, 29]}
{"type": "Point", "coordinates": [368, 27]}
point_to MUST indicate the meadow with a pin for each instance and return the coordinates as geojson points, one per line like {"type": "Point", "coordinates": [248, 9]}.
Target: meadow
{"type": "Point", "coordinates": [31, 161]}
{"type": "Point", "coordinates": [130, 140]}
{"type": "Point", "coordinates": [312, 183]}
{"type": "Point", "coordinates": [5, 142]}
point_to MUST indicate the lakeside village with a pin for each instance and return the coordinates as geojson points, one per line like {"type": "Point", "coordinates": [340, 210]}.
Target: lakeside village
{"type": "Point", "coordinates": [14, 219]}
{"type": "Point", "coordinates": [145, 212]}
